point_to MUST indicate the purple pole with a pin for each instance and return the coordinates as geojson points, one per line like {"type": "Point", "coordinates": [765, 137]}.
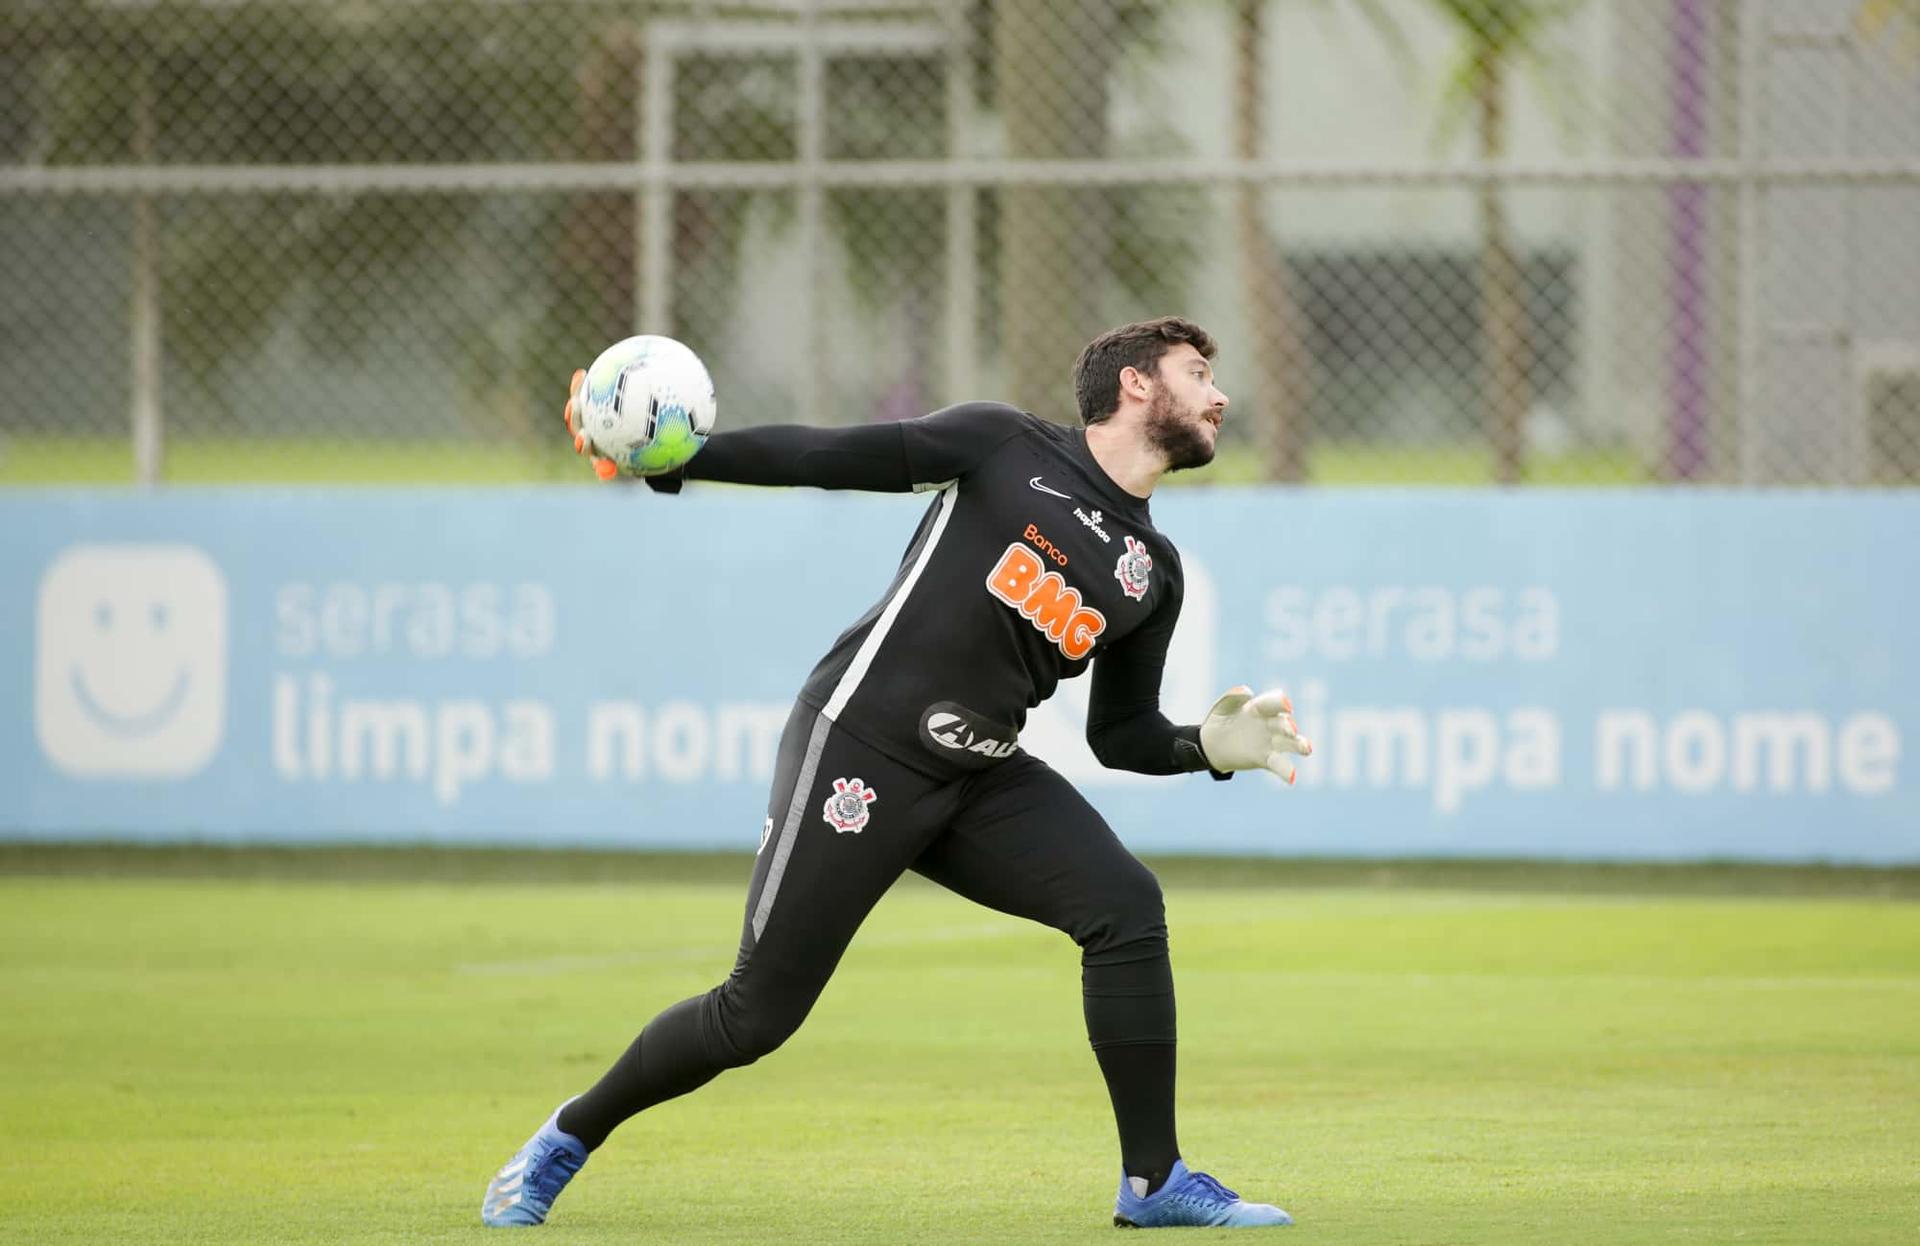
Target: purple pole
{"type": "Point", "coordinates": [1689, 366]}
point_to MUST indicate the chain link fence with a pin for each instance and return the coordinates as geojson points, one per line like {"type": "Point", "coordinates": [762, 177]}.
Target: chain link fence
{"type": "Point", "coordinates": [1569, 241]}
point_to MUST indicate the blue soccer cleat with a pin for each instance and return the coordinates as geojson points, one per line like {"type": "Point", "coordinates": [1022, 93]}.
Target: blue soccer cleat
{"type": "Point", "coordinates": [522, 1192]}
{"type": "Point", "coordinates": [1191, 1199]}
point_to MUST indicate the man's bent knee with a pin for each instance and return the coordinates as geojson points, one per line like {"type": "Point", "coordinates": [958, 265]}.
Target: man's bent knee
{"type": "Point", "coordinates": [750, 1027]}
{"type": "Point", "coordinates": [1129, 919]}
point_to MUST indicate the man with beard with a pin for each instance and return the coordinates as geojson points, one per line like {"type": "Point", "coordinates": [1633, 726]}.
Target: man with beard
{"type": "Point", "coordinates": [1037, 557]}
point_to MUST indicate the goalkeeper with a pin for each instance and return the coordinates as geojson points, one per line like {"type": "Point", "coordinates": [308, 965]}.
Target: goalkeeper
{"type": "Point", "coordinates": [1037, 556]}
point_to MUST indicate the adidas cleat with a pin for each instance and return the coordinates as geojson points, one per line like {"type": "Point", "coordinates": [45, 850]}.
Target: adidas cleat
{"type": "Point", "coordinates": [1190, 1199]}
{"type": "Point", "coordinates": [522, 1192]}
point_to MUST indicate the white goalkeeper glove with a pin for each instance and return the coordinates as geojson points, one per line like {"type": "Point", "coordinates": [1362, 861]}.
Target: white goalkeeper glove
{"type": "Point", "coordinates": [1248, 732]}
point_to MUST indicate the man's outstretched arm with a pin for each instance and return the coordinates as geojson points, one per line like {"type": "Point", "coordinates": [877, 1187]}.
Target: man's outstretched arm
{"type": "Point", "coordinates": [893, 457]}
{"type": "Point", "coordinates": [863, 456]}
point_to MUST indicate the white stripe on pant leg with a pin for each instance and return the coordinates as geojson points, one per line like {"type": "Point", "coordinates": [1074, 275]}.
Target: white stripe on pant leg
{"type": "Point", "coordinates": [790, 829]}
{"type": "Point", "coordinates": [863, 658]}
{"type": "Point", "coordinates": [842, 692]}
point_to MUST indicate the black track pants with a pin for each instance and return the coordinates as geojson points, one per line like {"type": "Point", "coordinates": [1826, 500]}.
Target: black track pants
{"type": "Point", "coordinates": [844, 822]}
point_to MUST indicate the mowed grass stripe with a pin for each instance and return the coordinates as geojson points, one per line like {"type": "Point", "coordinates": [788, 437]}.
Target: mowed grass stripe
{"type": "Point", "coordinates": [248, 1060]}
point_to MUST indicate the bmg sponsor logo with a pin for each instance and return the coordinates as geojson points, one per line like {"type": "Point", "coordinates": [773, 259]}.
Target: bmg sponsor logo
{"type": "Point", "coordinates": [131, 680]}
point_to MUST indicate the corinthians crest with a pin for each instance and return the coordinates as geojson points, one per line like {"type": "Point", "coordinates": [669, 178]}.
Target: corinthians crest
{"type": "Point", "coordinates": [1132, 570]}
{"type": "Point", "coordinates": [846, 809]}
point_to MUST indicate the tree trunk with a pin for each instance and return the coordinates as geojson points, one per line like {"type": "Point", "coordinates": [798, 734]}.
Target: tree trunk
{"type": "Point", "coordinates": [1502, 293]}
{"type": "Point", "coordinates": [1277, 363]}
{"type": "Point", "coordinates": [603, 226]}
{"type": "Point", "coordinates": [1050, 70]}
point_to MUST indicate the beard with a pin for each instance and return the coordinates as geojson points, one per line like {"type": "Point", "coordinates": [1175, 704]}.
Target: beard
{"type": "Point", "coordinates": [1177, 435]}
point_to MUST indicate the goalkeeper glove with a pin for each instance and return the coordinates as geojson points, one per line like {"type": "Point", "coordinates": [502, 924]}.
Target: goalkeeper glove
{"type": "Point", "coordinates": [605, 469]}
{"type": "Point", "coordinates": [1247, 732]}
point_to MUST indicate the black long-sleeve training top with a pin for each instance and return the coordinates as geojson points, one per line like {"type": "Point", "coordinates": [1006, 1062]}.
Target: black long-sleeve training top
{"type": "Point", "coordinates": [1031, 563]}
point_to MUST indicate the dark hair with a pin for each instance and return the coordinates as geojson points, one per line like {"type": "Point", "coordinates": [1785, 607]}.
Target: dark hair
{"type": "Point", "coordinates": [1096, 374]}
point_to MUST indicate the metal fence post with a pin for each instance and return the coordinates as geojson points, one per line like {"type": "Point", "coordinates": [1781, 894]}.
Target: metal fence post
{"type": "Point", "coordinates": [144, 300]}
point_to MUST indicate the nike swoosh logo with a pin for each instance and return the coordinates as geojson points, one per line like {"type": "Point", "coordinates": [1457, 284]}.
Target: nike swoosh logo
{"type": "Point", "coordinates": [1035, 482]}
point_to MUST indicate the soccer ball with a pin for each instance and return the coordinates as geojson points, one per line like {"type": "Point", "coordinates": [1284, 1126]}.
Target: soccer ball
{"type": "Point", "coordinates": [647, 404]}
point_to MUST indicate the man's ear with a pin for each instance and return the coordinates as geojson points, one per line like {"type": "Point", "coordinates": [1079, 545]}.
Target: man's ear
{"type": "Point", "coordinates": [1137, 383]}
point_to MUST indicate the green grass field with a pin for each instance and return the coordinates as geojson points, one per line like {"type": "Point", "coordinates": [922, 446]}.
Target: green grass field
{"type": "Point", "coordinates": [39, 460]}
{"type": "Point", "coordinates": [310, 1047]}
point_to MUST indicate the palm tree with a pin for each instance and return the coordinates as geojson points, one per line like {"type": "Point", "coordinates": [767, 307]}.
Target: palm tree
{"type": "Point", "coordinates": [1496, 38]}
{"type": "Point", "coordinates": [1283, 365]}
{"type": "Point", "coordinates": [1053, 241]}
{"type": "Point", "coordinates": [1282, 377]}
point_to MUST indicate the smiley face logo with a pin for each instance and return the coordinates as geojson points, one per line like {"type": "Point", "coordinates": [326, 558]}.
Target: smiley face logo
{"type": "Point", "coordinates": [131, 676]}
